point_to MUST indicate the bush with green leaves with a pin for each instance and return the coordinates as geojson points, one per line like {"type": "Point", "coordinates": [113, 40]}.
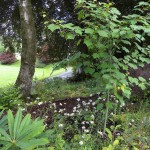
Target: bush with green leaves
{"type": "Point", "coordinates": [106, 33]}
{"type": "Point", "coordinates": [22, 133]}
{"type": "Point", "coordinates": [10, 97]}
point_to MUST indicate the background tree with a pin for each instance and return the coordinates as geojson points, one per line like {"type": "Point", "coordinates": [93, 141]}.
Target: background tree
{"type": "Point", "coordinates": [28, 53]}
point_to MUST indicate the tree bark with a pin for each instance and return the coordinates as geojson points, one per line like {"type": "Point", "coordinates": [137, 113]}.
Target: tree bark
{"type": "Point", "coordinates": [28, 53]}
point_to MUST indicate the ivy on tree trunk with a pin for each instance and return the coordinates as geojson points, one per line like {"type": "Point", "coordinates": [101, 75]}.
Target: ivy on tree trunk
{"type": "Point", "coordinates": [28, 54]}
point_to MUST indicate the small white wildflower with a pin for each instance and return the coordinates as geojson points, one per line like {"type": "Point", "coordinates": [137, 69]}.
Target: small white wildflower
{"type": "Point", "coordinates": [99, 98]}
{"type": "Point", "coordinates": [23, 109]}
{"type": "Point", "coordinates": [93, 103]}
{"type": "Point", "coordinates": [34, 112]}
{"type": "Point", "coordinates": [60, 125]}
{"type": "Point", "coordinates": [99, 132]}
{"type": "Point", "coordinates": [91, 95]}
{"type": "Point", "coordinates": [87, 131]}
{"type": "Point", "coordinates": [78, 106]}
{"type": "Point", "coordinates": [74, 108]}
{"type": "Point", "coordinates": [104, 100]}
{"type": "Point", "coordinates": [83, 127]}
{"type": "Point", "coordinates": [72, 114]}
{"type": "Point", "coordinates": [117, 101]}
{"type": "Point", "coordinates": [132, 120]}
{"type": "Point", "coordinates": [92, 122]}
{"type": "Point", "coordinates": [92, 116]}
{"type": "Point", "coordinates": [83, 122]}
{"type": "Point", "coordinates": [112, 113]}
{"type": "Point", "coordinates": [28, 97]}
{"type": "Point", "coordinates": [90, 100]}
{"type": "Point", "coordinates": [81, 142]}
{"type": "Point", "coordinates": [37, 98]}
{"type": "Point", "coordinates": [112, 96]}
{"type": "Point", "coordinates": [40, 103]}
{"type": "Point", "coordinates": [60, 104]}
{"type": "Point", "coordinates": [83, 136]}
{"type": "Point", "coordinates": [98, 93]}
{"type": "Point", "coordinates": [83, 102]}
{"type": "Point", "coordinates": [130, 123]}
{"type": "Point", "coordinates": [78, 99]}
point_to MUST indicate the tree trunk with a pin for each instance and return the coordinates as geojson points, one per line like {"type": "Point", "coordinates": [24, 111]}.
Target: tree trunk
{"type": "Point", "coordinates": [28, 54]}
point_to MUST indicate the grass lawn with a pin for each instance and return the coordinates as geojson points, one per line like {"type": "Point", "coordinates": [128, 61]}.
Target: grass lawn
{"type": "Point", "coordinates": [9, 73]}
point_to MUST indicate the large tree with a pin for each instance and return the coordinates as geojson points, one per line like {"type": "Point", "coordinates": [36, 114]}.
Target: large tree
{"type": "Point", "coordinates": [28, 54]}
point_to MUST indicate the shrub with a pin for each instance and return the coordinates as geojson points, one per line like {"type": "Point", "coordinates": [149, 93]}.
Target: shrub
{"type": "Point", "coordinates": [10, 97]}
{"type": "Point", "coordinates": [7, 58]}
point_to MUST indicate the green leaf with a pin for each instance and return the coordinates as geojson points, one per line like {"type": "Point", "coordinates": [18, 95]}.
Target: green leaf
{"type": "Point", "coordinates": [89, 31]}
{"type": "Point", "coordinates": [109, 104]}
{"type": "Point", "coordinates": [4, 133]}
{"type": "Point", "coordinates": [95, 55]}
{"type": "Point", "coordinates": [17, 122]}
{"type": "Point", "coordinates": [133, 80]}
{"type": "Point", "coordinates": [88, 42]}
{"type": "Point", "coordinates": [53, 27]}
{"type": "Point", "coordinates": [10, 123]}
{"type": "Point", "coordinates": [141, 79]}
{"type": "Point", "coordinates": [78, 31]}
{"type": "Point", "coordinates": [99, 106]}
{"type": "Point", "coordinates": [89, 70]}
{"type": "Point", "coordinates": [103, 33]}
{"type": "Point", "coordinates": [125, 49]}
{"type": "Point", "coordinates": [69, 36]}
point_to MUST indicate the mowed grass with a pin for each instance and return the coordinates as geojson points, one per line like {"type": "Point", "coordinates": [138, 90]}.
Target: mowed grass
{"type": "Point", "coordinates": [9, 73]}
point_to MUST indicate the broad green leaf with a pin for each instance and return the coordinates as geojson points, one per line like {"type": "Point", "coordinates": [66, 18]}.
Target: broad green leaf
{"type": "Point", "coordinates": [103, 33]}
{"type": "Point", "coordinates": [89, 31]}
{"type": "Point", "coordinates": [89, 70]}
{"type": "Point", "coordinates": [70, 36]}
{"type": "Point", "coordinates": [99, 106]}
{"type": "Point", "coordinates": [53, 27]}
{"type": "Point", "coordinates": [4, 133]}
{"type": "Point", "coordinates": [10, 123]}
{"type": "Point", "coordinates": [133, 80]}
{"type": "Point", "coordinates": [17, 122]}
{"type": "Point", "coordinates": [88, 42]}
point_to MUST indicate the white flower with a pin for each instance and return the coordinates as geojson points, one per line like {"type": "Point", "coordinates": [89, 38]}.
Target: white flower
{"type": "Point", "coordinates": [83, 102]}
{"type": "Point", "coordinates": [91, 95]}
{"type": "Point", "coordinates": [78, 99]}
{"type": "Point", "coordinates": [112, 113]}
{"type": "Point", "coordinates": [92, 116]}
{"type": "Point", "coordinates": [93, 103]}
{"type": "Point", "coordinates": [60, 104]}
{"type": "Point", "coordinates": [28, 97]}
{"type": "Point", "coordinates": [99, 132]}
{"type": "Point", "coordinates": [98, 93]}
{"type": "Point", "coordinates": [81, 142]}
{"type": "Point", "coordinates": [87, 131]}
{"type": "Point", "coordinates": [117, 101]}
{"type": "Point", "coordinates": [132, 120]}
{"type": "Point", "coordinates": [37, 98]}
{"type": "Point", "coordinates": [74, 108]}
{"type": "Point", "coordinates": [60, 125]}
{"type": "Point", "coordinates": [92, 122]}
{"type": "Point", "coordinates": [130, 123]}
{"type": "Point", "coordinates": [90, 100]}
{"type": "Point", "coordinates": [83, 127]}
{"type": "Point", "coordinates": [40, 103]}
{"type": "Point", "coordinates": [72, 114]}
